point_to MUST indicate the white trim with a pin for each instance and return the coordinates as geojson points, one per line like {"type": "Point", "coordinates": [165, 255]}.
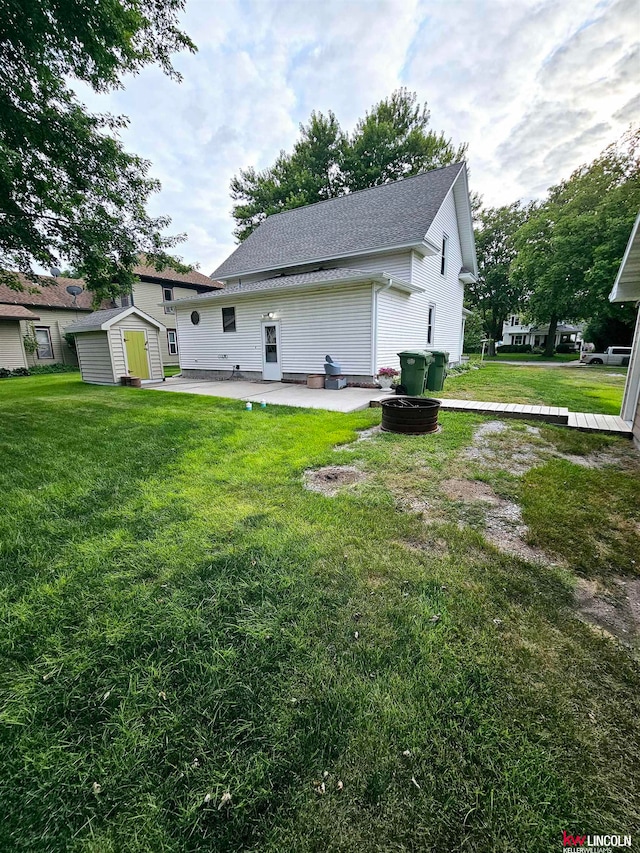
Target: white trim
{"type": "Point", "coordinates": [632, 385]}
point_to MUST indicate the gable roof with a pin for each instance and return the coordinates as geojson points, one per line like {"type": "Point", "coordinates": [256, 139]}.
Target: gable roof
{"type": "Point", "coordinates": [148, 271]}
{"type": "Point", "coordinates": [100, 321]}
{"type": "Point", "coordinates": [394, 215]}
{"type": "Point", "coordinates": [626, 287]}
{"type": "Point", "coordinates": [47, 292]}
{"type": "Point", "coordinates": [299, 281]}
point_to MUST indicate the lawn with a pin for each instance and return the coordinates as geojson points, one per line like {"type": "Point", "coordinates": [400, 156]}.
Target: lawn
{"type": "Point", "coordinates": [580, 389]}
{"type": "Point", "coordinates": [199, 653]}
{"type": "Point", "coordinates": [529, 356]}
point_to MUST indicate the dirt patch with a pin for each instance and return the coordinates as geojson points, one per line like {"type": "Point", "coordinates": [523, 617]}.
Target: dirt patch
{"type": "Point", "coordinates": [492, 449]}
{"type": "Point", "coordinates": [363, 435]}
{"type": "Point", "coordinates": [437, 545]}
{"type": "Point", "coordinates": [507, 531]}
{"type": "Point", "coordinates": [613, 609]}
{"type": "Point", "coordinates": [328, 481]}
{"type": "Point", "coordinates": [619, 456]}
{"type": "Point", "coordinates": [469, 490]}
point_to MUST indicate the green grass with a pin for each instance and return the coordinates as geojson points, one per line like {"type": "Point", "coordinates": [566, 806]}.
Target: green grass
{"type": "Point", "coordinates": [579, 389]}
{"type": "Point", "coordinates": [178, 621]}
{"type": "Point", "coordinates": [171, 369]}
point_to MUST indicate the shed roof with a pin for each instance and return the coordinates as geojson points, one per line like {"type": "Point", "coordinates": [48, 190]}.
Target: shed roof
{"type": "Point", "coordinates": [626, 287]}
{"type": "Point", "coordinates": [100, 321]}
{"type": "Point", "coordinates": [392, 215]}
{"type": "Point", "coordinates": [16, 312]}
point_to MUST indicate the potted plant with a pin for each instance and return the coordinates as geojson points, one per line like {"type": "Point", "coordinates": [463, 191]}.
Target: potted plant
{"type": "Point", "coordinates": [386, 376]}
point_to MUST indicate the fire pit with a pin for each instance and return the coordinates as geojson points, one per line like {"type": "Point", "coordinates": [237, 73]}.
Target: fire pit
{"type": "Point", "coordinates": [410, 415]}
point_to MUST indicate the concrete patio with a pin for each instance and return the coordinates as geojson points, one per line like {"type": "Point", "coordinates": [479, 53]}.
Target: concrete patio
{"type": "Point", "coordinates": [274, 393]}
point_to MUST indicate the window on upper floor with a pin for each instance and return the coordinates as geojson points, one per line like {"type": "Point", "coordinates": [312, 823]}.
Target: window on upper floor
{"type": "Point", "coordinates": [515, 320]}
{"type": "Point", "coordinates": [167, 296]}
{"type": "Point", "coordinates": [431, 319]}
{"type": "Point", "coordinates": [228, 319]}
{"type": "Point", "coordinates": [125, 300]}
{"type": "Point", "coordinates": [443, 255]}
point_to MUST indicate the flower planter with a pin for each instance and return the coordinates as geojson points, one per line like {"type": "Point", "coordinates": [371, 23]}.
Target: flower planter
{"type": "Point", "coordinates": [385, 382]}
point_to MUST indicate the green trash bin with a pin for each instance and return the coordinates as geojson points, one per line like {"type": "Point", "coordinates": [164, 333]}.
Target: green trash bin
{"type": "Point", "coordinates": [437, 370]}
{"type": "Point", "coordinates": [414, 364]}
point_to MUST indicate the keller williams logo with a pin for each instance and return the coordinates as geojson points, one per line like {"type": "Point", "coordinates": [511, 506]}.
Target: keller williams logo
{"type": "Point", "coordinates": [602, 841]}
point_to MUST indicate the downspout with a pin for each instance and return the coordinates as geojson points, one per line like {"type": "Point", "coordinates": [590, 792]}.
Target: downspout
{"type": "Point", "coordinates": [374, 322]}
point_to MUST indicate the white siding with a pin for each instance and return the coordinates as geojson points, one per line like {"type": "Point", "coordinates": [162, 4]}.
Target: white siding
{"type": "Point", "coordinates": [118, 353]}
{"type": "Point", "coordinates": [56, 320]}
{"type": "Point", "coordinates": [95, 358]}
{"type": "Point", "coordinates": [402, 319]}
{"type": "Point", "coordinates": [397, 265]}
{"type": "Point", "coordinates": [147, 297]}
{"type": "Point", "coordinates": [12, 352]}
{"type": "Point", "coordinates": [334, 321]}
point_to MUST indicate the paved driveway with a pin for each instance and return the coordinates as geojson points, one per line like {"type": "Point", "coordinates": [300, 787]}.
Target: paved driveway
{"type": "Point", "coordinates": [280, 393]}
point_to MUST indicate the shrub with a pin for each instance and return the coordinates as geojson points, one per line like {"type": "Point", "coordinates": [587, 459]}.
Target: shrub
{"type": "Point", "coordinates": [564, 348]}
{"type": "Point", "coordinates": [507, 348]}
{"type": "Point", "coordinates": [4, 373]}
{"type": "Point", "coordinates": [20, 371]}
{"type": "Point", "coordinates": [52, 368]}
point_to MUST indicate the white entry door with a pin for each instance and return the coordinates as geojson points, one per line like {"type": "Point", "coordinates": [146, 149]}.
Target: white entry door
{"type": "Point", "coordinates": [271, 351]}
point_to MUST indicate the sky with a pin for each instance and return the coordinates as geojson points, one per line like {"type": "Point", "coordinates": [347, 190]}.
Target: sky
{"type": "Point", "coordinates": [535, 87]}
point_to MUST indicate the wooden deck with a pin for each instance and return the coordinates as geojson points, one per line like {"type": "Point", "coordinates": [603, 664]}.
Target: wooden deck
{"type": "Point", "coordinates": [586, 421]}
{"type": "Point", "coordinates": [549, 414]}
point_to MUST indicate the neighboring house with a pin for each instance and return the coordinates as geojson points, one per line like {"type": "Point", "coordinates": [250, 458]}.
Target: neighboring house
{"type": "Point", "coordinates": [627, 289]}
{"type": "Point", "coordinates": [41, 310]}
{"type": "Point", "coordinates": [360, 278]}
{"type": "Point", "coordinates": [161, 286]}
{"type": "Point", "coordinates": [515, 333]}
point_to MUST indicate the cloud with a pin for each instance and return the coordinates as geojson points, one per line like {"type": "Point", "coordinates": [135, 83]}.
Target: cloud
{"type": "Point", "coordinates": [536, 87]}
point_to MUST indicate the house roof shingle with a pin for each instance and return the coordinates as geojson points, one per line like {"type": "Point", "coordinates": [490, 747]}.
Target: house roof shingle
{"type": "Point", "coordinates": [297, 280]}
{"type": "Point", "coordinates": [16, 312]}
{"type": "Point", "coordinates": [52, 293]}
{"type": "Point", "coordinates": [167, 274]}
{"type": "Point", "coordinates": [394, 214]}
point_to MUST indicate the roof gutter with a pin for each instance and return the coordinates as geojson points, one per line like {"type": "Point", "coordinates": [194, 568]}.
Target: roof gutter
{"type": "Point", "coordinates": [423, 247]}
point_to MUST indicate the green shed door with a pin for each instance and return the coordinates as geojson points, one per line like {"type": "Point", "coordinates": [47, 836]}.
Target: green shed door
{"type": "Point", "coordinates": [137, 358]}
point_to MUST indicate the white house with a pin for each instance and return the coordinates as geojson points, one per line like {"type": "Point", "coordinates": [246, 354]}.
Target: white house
{"type": "Point", "coordinates": [360, 277]}
{"type": "Point", "coordinates": [627, 289]}
{"type": "Point", "coordinates": [517, 333]}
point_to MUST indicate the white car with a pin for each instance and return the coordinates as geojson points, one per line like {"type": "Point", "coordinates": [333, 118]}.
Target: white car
{"type": "Point", "coordinates": [612, 355]}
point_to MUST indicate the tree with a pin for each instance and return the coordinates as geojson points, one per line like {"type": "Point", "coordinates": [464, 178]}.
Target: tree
{"type": "Point", "coordinates": [391, 142]}
{"type": "Point", "coordinates": [473, 333]}
{"type": "Point", "coordinates": [495, 295]}
{"type": "Point", "coordinates": [569, 249]}
{"type": "Point", "coordinates": [68, 189]}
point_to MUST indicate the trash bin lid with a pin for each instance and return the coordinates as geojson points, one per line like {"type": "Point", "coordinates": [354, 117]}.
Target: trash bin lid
{"type": "Point", "coordinates": [439, 353]}
{"type": "Point", "coordinates": [415, 354]}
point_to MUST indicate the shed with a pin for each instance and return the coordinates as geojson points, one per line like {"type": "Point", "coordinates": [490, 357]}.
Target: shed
{"type": "Point", "coordinates": [118, 342]}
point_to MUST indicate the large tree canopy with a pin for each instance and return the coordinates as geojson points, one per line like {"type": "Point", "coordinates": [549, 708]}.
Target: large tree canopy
{"type": "Point", "coordinates": [570, 247]}
{"type": "Point", "coordinates": [495, 294]}
{"type": "Point", "coordinates": [69, 192]}
{"type": "Point", "coordinates": [392, 141]}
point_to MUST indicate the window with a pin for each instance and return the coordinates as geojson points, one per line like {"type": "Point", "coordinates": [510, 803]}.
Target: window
{"type": "Point", "coordinates": [195, 318]}
{"type": "Point", "coordinates": [125, 300]}
{"type": "Point", "coordinates": [518, 340]}
{"type": "Point", "coordinates": [430, 323]}
{"type": "Point", "coordinates": [167, 296]}
{"type": "Point", "coordinates": [228, 319]}
{"type": "Point", "coordinates": [172, 341]}
{"type": "Point", "coordinates": [515, 320]}
{"type": "Point", "coordinates": [45, 348]}
{"type": "Point", "coordinates": [443, 255]}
